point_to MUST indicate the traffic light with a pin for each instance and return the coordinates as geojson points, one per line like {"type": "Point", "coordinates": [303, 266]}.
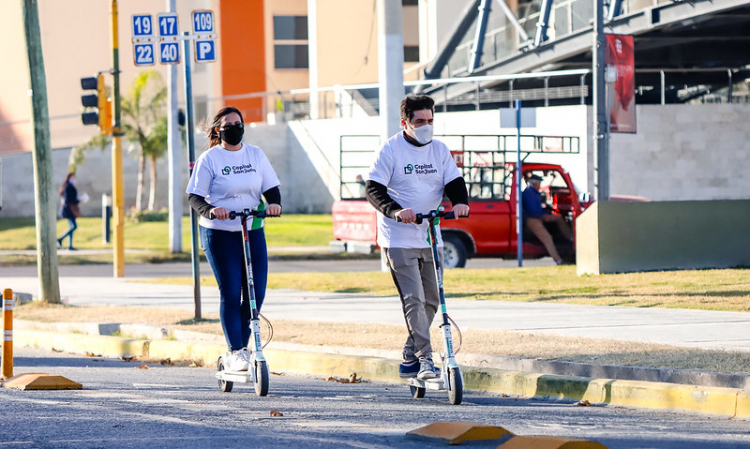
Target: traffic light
{"type": "Point", "coordinates": [103, 118]}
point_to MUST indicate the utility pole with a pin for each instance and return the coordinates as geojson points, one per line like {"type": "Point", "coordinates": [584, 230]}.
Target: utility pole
{"type": "Point", "coordinates": [118, 195]}
{"type": "Point", "coordinates": [45, 206]}
{"type": "Point", "coordinates": [174, 145]}
{"type": "Point", "coordinates": [601, 114]}
{"type": "Point", "coordinates": [391, 65]}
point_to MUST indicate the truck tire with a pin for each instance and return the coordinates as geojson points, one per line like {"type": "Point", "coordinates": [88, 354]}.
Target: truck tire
{"type": "Point", "coordinates": [454, 252]}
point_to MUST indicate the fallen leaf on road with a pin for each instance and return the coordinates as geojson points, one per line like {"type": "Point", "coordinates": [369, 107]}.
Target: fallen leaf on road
{"type": "Point", "coordinates": [277, 374]}
{"type": "Point", "coordinates": [166, 361]}
{"type": "Point", "coordinates": [583, 403]}
{"type": "Point", "coordinates": [504, 395]}
{"type": "Point", "coordinates": [276, 413]}
{"type": "Point", "coordinates": [197, 364]}
{"type": "Point", "coordinates": [352, 379]}
{"type": "Point", "coordinates": [132, 358]}
{"type": "Point", "coordinates": [91, 354]}
{"type": "Point", "coordinates": [57, 350]}
{"type": "Point", "coordinates": [142, 367]}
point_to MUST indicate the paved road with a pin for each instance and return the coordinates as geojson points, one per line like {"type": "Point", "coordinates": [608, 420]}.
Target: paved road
{"type": "Point", "coordinates": [122, 407]}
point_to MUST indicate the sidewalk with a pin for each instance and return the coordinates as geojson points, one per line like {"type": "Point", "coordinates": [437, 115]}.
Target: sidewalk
{"type": "Point", "coordinates": [692, 328]}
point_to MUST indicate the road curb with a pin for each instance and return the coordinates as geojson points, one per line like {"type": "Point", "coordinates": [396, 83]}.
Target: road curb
{"type": "Point", "coordinates": [725, 402]}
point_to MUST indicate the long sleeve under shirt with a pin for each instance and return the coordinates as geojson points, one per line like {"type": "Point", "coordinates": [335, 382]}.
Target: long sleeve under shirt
{"type": "Point", "coordinates": [377, 195]}
{"type": "Point", "coordinates": [532, 203]}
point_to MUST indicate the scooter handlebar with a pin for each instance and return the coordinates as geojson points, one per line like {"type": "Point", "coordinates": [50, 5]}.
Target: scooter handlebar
{"type": "Point", "coordinates": [434, 214]}
{"type": "Point", "coordinates": [247, 213]}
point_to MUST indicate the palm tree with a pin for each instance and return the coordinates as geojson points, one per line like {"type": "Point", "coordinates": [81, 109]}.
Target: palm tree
{"type": "Point", "coordinates": [145, 126]}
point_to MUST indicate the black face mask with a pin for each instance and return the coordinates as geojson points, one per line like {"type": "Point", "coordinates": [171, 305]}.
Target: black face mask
{"type": "Point", "coordinates": [232, 134]}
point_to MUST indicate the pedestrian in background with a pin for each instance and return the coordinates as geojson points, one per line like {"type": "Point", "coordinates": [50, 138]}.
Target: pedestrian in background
{"type": "Point", "coordinates": [232, 176]}
{"type": "Point", "coordinates": [70, 210]}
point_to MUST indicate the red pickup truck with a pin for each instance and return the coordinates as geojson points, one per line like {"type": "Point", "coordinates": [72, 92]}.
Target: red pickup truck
{"type": "Point", "coordinates": [491, 228]}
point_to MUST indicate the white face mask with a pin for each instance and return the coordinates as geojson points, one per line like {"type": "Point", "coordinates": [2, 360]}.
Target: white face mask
{"type": "Point", "coordinates": [423, 134]}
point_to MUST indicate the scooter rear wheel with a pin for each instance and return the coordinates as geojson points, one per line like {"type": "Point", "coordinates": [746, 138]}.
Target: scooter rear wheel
{"type": "Point", "coordinates": [224, 385]}
{"type": "Point", "coordinates": [261, 378]}
{"type": "Point", "coordinates": [456, 393]}
{"type": "Point", "coordinates": [417, 392]}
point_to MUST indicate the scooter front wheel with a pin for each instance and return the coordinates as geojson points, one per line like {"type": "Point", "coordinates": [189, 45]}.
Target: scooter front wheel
{"type": "Point", "coordinates": [456, 393]}
{"type": "Point", "coordinates": [417, 392]}
{"type": "Point", "coordinates": [261, 378]}
{"type": "Point", "coordinates": [224, 385]}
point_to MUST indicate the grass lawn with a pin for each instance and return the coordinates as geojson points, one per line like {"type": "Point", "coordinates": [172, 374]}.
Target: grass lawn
{"type": "Point", "coordinates": [287, 230]}
{"type": "Point", "coordinates": [694, 289]}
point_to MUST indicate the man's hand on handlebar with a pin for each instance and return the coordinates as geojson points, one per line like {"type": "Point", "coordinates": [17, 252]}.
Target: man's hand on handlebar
{"type": "Point", "coordinates": [220, 213]}
{"type": "Point", "coordinates": [273, 210]}
{"type": "Point", "coordinates": [461, 210]}
{"type": "Point", "coordinates": [406, 216]}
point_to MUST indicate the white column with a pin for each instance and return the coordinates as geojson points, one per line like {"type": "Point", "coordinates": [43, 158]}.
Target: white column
{"type": "Point", "coordinates": [312, 45]}
{"type": "Point", "coordinates": [390, 65]}
{"type": "Point", "coordinates": [174, 153]}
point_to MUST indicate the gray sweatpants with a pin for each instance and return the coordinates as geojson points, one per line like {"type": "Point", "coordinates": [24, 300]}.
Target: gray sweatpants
{"type": "Point", "coordinates": [414, 276]}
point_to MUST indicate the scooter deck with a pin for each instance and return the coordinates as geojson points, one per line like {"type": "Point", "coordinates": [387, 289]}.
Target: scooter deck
{"type": "Point", "coordinates": [436, 384]}
{"type": "Point", "coordinates": [236, 376]}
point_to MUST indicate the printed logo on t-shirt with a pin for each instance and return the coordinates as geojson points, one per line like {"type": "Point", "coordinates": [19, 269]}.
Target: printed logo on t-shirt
{"type": "Point", "coordinates": [420, 169]}
{"type": "Point", "coordinates": [238, 169]}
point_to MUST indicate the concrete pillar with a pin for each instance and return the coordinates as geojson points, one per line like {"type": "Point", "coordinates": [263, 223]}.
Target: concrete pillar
{"type": "Point", "coordinates": [174, 146]}
{"type": "Point", "coordinates": [390, 65]}
{"type": "Point", "coordinates": [312, 45]}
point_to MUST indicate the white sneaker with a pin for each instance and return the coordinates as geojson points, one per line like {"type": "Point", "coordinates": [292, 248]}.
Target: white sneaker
{"type": "Point", "coordinates": [236, 362]}
{"type": "Point", "coordinates": [245, 354]}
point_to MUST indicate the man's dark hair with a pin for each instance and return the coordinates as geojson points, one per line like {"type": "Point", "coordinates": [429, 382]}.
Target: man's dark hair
{"type": "Point", "coordinates": [412, 103]}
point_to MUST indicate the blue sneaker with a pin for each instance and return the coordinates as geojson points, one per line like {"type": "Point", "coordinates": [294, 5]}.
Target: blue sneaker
{"type": "Point", "coordinates": [408, 369]}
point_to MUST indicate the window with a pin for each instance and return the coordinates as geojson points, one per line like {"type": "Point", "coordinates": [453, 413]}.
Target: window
{"type": "Point", "coordinates": [411, 53]}
{"type": "Point", "coordinates": [290, 48]}
{"type": "Point", "coordinates": [410, 2]}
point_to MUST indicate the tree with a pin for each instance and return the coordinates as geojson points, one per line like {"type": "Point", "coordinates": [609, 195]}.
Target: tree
{"type": "Point", "coordinates": [145, 125]}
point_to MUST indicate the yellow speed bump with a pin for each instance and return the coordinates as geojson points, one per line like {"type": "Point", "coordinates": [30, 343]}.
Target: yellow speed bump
{"type": "Point", "coordinates": [458, 432]}
{"type": "Point", "coordinates": [549, 442]}
{"type": "Point", "coordinates": [39, 381]}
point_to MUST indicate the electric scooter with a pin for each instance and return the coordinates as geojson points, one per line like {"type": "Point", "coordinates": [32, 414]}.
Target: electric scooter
{"type": "Point", "coordinates": [258, 373]}
{"type": "Point", "coordinates": [451, 379]}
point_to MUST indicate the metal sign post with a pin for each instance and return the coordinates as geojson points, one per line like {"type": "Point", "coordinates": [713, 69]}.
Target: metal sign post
{"type": "Point", "coordinates": [191, 161]}
{"type": "Point", "coordinates": [517, 118]}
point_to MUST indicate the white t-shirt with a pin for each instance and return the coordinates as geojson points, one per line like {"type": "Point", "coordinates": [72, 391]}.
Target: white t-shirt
{"type": "Point", "coordinates": [415, 177]}
{"type": "Point", "coordinates": [234, 180]}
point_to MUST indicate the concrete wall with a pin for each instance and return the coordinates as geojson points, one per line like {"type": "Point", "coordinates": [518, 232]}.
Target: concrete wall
{"type": "Point", "coordinates": [684, 152]}
{"type": "Point", "coordinates": [627, 237]}
{"type": "Point", "coordinates": [302, 188]}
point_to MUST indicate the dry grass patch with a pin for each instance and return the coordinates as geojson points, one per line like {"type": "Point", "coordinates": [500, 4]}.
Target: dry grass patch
{"type": "Point", "coordinates": [388, 337]}
{"type": "Point", "coordinates": [727, 290]}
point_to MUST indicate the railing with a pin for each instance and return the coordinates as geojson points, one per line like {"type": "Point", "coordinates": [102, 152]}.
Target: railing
{"type": "Point", "coordinates": [482, 159]}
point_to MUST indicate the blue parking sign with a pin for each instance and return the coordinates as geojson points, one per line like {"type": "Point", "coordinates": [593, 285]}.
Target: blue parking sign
{"type": "Point", "coordinates": [205, 51]}
{"type": "Point", "coordinates": [168, 25]}
{"type": "Point", "coordinates": [143, 54]}
{"type": "Point", "coordinates": [169, 52]}
{"type": "Point", "coordinates": [142, 25]}
{"type": "Point", "coordinates": [203, 21]}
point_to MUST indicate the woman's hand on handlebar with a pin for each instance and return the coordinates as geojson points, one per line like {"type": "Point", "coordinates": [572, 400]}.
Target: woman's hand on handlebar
{"type": "Point", "coordinates": [273, 210]}
{"type": "Point", "coordinates": [220, 213]}
{"type": "Point", "coordinates": [461, 210]}
{"type": "Point", "coordinates": [406, 216]}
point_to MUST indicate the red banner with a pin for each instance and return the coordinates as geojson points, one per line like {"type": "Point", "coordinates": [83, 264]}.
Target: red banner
{"type": "Point", "coordinates": [621, 93]}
